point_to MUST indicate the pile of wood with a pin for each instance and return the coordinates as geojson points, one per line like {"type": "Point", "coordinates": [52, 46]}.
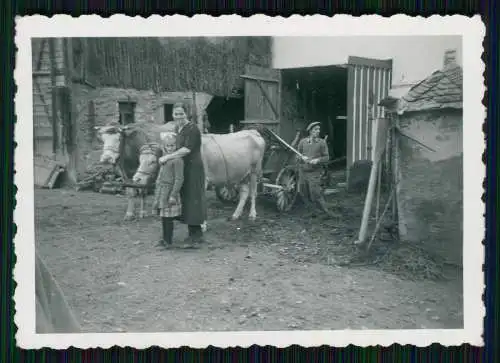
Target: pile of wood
{"type": "Point", "coordinates": [100, 178]}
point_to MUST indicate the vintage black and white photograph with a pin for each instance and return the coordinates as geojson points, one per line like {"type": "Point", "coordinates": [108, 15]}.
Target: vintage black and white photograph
{"type": "Point", "coordinates": [231, 182]}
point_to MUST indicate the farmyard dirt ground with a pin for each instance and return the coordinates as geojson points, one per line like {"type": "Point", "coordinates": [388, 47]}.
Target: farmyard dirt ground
{"type": "Point", "coordinates": [278, 273]}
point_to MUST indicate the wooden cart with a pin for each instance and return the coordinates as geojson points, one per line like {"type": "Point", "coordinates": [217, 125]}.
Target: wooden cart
{"type": "Point", "coordinates": [280, 175]}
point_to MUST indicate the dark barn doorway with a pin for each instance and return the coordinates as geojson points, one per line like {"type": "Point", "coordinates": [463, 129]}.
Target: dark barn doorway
{"type": "Point", "coordinates": [167, 112]}
{"type": "Point", "coordinates": [223, 112]}
{"type": "Point", "coordinates": [320, 94]}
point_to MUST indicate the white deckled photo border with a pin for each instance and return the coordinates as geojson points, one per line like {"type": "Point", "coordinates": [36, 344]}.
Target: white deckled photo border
{"type": "Point", "coordinates": [472, 31]}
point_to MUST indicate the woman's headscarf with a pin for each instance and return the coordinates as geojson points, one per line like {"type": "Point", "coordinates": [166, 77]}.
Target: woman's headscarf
{"type": "Point", "coordinates": [185, 106]}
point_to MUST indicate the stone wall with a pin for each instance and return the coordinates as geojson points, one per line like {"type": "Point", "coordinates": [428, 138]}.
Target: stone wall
{"type": "Point", "coordinates": [430, 194]}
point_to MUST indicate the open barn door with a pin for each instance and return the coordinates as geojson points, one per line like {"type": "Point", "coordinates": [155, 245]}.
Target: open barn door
{"type": "Point", "coordinates": [262, 97]}
{"type": "Point", "coordinates": [369, 81]}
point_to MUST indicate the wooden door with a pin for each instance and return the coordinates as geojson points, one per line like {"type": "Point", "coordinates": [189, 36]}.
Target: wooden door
{"type": "Point", "coordinates": [262, 107]}
{"type": "Point", "coordinates": [369, 81]}
{"type": "Point", "coordinates": [262, 97]}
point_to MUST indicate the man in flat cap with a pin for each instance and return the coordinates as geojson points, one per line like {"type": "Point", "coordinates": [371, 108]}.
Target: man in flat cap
{"type": "Point", "coordinates": [315, 153]}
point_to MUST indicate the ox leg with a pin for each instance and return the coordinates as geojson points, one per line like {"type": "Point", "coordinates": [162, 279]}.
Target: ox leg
{"type": "Point", "coordinates": [129, 215]}
{"type": "Point", "coordinates": [241, 203]}
{"type": "Point", "coordinates": [253, 196]}
{"type": "Point", "coordinates": [142, 212]}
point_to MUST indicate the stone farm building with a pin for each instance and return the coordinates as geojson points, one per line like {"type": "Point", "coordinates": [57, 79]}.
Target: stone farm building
{"type": "Point", "coordinates": [429, 162]}
{"type": "Point", "coordinates": [80, 83]}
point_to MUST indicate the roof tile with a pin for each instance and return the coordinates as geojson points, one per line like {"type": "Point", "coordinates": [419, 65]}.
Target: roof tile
{"type": "Point", "coordinates": [441, 89]}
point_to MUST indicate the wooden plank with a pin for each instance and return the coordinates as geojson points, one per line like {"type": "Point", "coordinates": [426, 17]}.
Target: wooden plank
{"type": "Point", "coordinates": [257, 78]}
{"type": "Point", "coordinates": [255, 121]}
{"type": "Point", "coordinates": [360, 85]}
{"type": "Point", "coordinates": [257, 71]}
{"type": "Point", "coordinates": [262, 96]}
{"type": "Point", "coordinates": [350, 119]}
{"type": "Point", "coordinates": [46, 172]}
{"type": "Point", "coordinates": [266, 95]}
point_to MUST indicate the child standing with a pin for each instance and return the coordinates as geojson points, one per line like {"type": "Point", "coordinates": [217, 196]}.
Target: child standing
{"type": "Point", "coordinates": [167, 200]}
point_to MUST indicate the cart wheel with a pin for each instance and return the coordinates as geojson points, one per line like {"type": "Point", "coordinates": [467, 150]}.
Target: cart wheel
{"type": "Point", "coordinates": [285, 198]}
{"type": "Point", "coordinates": [227, 194]}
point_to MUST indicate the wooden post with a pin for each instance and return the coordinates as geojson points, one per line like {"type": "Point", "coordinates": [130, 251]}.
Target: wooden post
{"type": "Point", "coordinates": [84, 60]}
{"type": "Point", "coordinates": [62, 104]}
{"type": "Point", "coordinates": [330, 134]}
{"type": "Point", "coordinates": [194, 114]}
{"type": "Point", "coordinates": [391, 165]}
{"type": "Point", "coordinates": [368, 201]}
{"type": "Point", "coordinates": [279, 107]}
{"type": "Point", "coordinates": [71, 145]}
{"type": "Point", "coordinates": [372, 181]}
{"type": "Point", "coordinates": [398, 211]}
{"type": "Point", "coordinates": [53, 70]}
{"type": "Point", "coordinates": [379, 174]}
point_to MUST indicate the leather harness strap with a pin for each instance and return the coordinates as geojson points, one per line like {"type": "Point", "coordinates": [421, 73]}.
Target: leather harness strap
{"type": "Point", "coordinates": [223, 157]}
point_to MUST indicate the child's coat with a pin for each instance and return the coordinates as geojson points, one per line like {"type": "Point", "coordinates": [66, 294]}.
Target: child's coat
{"type": "Point", "coordinates": [168, 184]}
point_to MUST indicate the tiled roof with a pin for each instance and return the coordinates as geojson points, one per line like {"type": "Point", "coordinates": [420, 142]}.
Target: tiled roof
{"type": "Point", "coordinates": [442, 89]}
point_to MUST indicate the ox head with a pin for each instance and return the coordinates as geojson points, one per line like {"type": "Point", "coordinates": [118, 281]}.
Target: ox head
{"type": "Point", "coordinates": [148, 164]}
{"type": "Point", "coordinates": [112, 136]}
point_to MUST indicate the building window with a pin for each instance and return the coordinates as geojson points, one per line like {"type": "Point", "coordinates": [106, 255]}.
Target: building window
{"type": "Point", "coordinates": [127, 112]}
{"type": "Point", "coordinates": [167, 112]}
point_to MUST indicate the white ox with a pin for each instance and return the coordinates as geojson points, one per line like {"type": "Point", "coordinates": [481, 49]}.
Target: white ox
{"type": "Point", "coordinates": [235, 159]}
{"type": "Point", "coordinates": [229, 159]}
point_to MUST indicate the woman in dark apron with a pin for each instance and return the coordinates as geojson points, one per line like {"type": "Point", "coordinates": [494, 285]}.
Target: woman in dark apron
{"type": "Point", "coordinates": [194, 210]}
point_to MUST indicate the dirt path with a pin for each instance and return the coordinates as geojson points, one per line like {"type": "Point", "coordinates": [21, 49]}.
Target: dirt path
{"type": "Point", "coordinates": [276, 273]}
